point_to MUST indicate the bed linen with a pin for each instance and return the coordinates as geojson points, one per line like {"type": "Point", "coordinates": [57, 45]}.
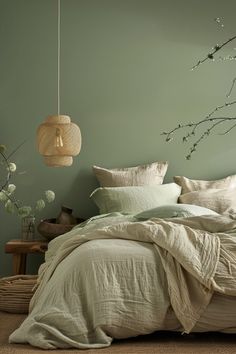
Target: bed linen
{"type": "Point", "coordinates": [116, 277]}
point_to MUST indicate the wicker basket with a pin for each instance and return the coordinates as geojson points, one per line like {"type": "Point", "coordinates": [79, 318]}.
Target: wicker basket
{"type": "Point", "coordinates": [16, 293]}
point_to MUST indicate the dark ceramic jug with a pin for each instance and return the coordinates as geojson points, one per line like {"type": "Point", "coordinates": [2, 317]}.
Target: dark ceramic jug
{"type": "Point", "coordinates": [65, 217]}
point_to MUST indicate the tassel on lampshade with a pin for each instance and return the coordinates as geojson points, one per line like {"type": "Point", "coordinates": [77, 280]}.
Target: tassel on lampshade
{"type": "Point", "coordinates": [58, 140]}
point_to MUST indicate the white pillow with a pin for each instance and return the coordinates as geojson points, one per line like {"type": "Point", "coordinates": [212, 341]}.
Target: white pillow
{"type": "Point", "coordinates": [174, 210]}
{"type": "Point", "coordinates": [149, 174]}
{"type": "Point", "coordinates": [134, 199]}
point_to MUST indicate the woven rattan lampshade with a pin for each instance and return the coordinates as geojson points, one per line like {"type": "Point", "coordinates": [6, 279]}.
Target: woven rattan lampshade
{"type": "Point", "coordinates": [58, 140]}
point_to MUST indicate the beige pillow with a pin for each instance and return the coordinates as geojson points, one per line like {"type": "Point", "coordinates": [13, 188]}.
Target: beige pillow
{"type": "Point", "coordinates": [190, 185]}
{"type": "Point", "coordinates": [150, 174]}
{"type": "Point", "coordinates": [219, 200]}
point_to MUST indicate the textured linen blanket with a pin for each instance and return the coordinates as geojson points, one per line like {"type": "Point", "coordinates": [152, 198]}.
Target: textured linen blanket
{"type": "Point", "coordinates": [75, 304]}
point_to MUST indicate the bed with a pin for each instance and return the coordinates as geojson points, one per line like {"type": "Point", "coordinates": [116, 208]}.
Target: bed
{"type": "Point", "coordinates": [123, 274]}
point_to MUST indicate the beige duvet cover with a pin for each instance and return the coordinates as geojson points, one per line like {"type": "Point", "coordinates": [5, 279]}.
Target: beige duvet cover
{"type": "Point", "coordinates": [129, 278]}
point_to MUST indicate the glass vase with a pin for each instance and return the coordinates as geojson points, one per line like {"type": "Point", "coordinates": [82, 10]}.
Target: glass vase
{"type": "Point", "coordinates": [28, 228]}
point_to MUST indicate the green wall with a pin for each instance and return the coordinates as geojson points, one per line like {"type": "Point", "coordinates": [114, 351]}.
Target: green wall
{"type": "Point", "coordinates": [125, 77]}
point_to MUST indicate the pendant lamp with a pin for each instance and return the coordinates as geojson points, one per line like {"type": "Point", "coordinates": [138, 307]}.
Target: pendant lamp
{"type": "Point", "coordinates": [58, 139]}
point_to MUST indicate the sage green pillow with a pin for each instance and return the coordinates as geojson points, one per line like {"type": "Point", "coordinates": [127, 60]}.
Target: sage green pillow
{"type": "Point", "coordinates": [134, 199]}
{"type": "Point", "coordinates": [175, 210]}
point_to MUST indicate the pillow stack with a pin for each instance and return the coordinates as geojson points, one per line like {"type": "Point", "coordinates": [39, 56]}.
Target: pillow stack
{"type": "Point", "coordinates": [133, 189]}
{"type": "Point", "coordinates": [218, 195]}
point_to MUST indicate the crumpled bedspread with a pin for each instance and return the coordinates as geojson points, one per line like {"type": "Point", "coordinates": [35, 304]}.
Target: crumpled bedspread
{"type": "Point", "coordinates": [177, 264]}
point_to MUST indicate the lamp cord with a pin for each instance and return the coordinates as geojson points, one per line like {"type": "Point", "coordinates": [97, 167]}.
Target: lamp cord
{"type": "Point", "coordinates": [58, 53]}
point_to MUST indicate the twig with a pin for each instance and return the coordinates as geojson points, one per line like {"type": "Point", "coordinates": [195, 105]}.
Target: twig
{"type": "Point", "coordinates": [210, 56]}
{"type": "Point", "coordinates": [5, 159]}
{"type": "Point", "coordinates": [16, 149]}
{"type": "Point", "coordinates": [7, 163]}
{"type": "Point", "coordinates": [231, 88]}
{"type": "Point", "coordinates": [210, 119]}
{"type": "Point", "coordinates": [194, 126]}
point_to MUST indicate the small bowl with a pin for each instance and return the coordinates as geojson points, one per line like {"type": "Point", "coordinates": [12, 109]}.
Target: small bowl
{"type": "Point", "coordinates": [49, 229]}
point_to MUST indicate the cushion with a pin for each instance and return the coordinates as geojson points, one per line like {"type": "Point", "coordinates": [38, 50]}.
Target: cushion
{"type": "Point", "coordinates": [150, 174]}
{"type": "Point", "coordinates": [134, 199]}
{"type": "Point", "coordinates": [174, 210]}
{"type": "Point", "coordinates": [190, 185]}
{"type": "Point", "coordinates": [219, 200]}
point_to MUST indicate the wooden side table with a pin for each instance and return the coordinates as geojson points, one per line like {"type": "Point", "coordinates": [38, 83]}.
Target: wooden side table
{"type": "Point", "coordinates": [20, 249]}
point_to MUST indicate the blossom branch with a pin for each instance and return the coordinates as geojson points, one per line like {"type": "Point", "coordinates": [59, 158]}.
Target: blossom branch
{"type": "Point", "coordinates": [9, 168]}
{"type": "Point", "coordinates": [217, 47]}
{"type": "Point", "coordinates": [231, 88]}
{"type": "Point", "coordinates": [192, 128]}
{"type": "Point", "coordinates": [210, 119]}
{"type": "Point", "coordinates": [7, 190]}
{"type": "Point", "coordinates": [228, 130]}
{"type": "Point", "coordinates": [204, 135]}
{"type": "Point", "coordinates": [16, 149]}
{"type": "Point", "coordinates": [8, 177]}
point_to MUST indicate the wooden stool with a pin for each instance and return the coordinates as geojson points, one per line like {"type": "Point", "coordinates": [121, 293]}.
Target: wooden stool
{"type": "Point", "coordinates": [20, 249]}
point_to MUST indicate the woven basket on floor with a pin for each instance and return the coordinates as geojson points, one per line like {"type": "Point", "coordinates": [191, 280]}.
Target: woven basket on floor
{"type": "Point", "coordinates": [16, 293]}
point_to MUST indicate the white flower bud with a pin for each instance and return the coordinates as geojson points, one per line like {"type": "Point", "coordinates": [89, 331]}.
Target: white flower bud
{"type": "Point", "coordinates": [40, 204]}
{"type": "Point", "coordinates": [12, 167]}
{"type": "Point", "coordinates": [9, 206]}
{"type": "Point", "coordinates": [11, 188]}
{"type": "Point", "coordinates": [24, 211]}
{"type": "Point", "coordinates": [3, 196]}
{"type": "Point", "coordinates": [50, 196]}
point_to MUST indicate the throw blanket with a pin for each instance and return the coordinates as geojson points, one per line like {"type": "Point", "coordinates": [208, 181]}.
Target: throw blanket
{"type": "Point", "coordinates": [198, 255]}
